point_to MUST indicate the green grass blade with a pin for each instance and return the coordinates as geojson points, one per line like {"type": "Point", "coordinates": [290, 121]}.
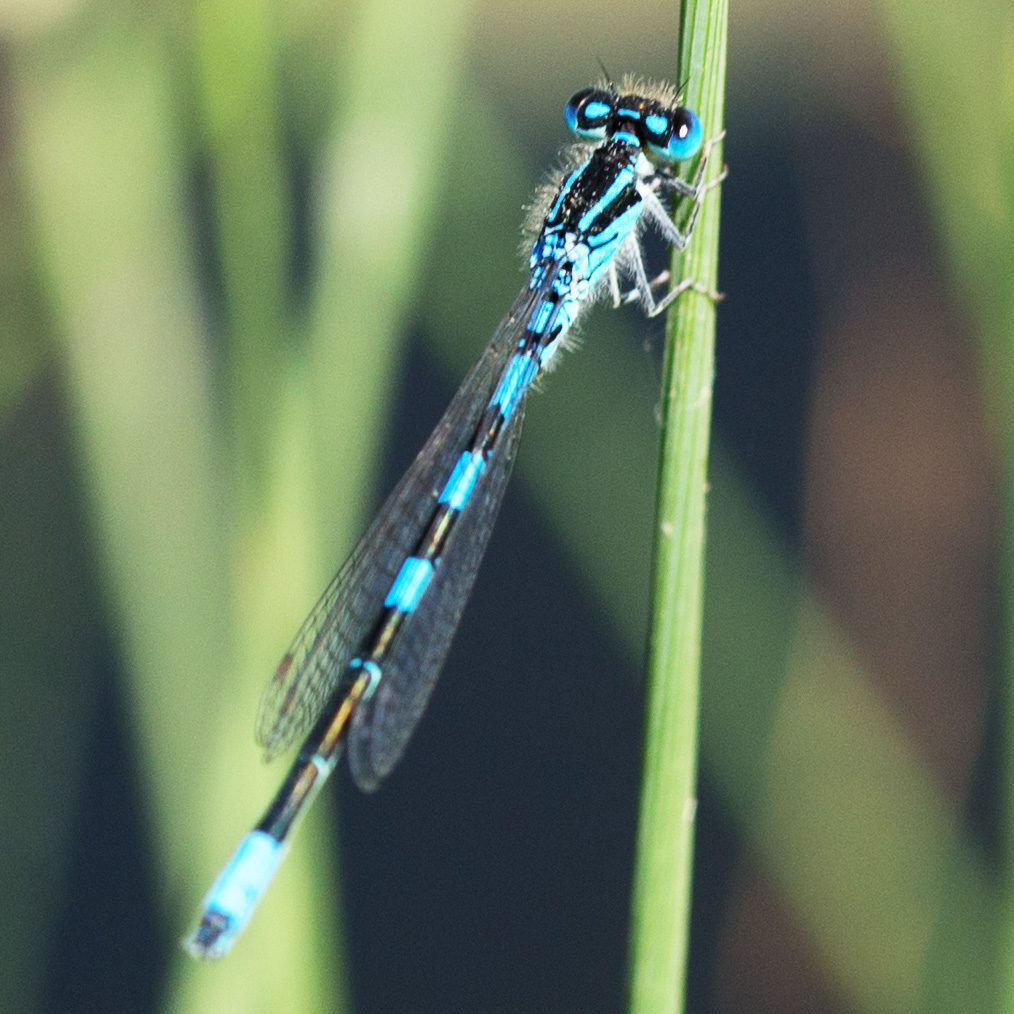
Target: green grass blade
{"type": "Point", "coordinates": [235, 58]}
{"type": "Point", "coordinates": [661, 905]}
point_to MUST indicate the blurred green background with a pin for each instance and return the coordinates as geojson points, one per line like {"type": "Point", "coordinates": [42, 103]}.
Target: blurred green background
{"type": "Point", "coordinates": [247, 250]}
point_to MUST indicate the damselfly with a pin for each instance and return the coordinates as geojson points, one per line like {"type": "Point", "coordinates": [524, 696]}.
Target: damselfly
{"type": "Point", "coordinates": [364, 663]}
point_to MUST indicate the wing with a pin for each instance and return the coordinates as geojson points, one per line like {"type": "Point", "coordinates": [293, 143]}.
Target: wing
{"type": "Point", "coordinates": [383, 725]}
{"type": "Point", "coordinates": [331, 635]}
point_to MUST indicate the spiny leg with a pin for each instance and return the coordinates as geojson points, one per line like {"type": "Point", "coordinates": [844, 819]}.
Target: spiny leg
{"type": "Point", "coordinates": [676, 184]}
{"type": "Point", "coordinates": [618, 297]}
{"type": "Point", "coordinates": [643, 286]}
{"type": "Point", "coordinates": [659, 214]}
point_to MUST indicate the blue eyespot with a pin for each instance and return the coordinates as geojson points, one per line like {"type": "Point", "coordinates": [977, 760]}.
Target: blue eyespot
{"type": "Point", "coordinates": [587, 113]}
{"type": "Point", "coordinates": [656, 123]}
{"type": "Point", "coordinates": [674, 138]}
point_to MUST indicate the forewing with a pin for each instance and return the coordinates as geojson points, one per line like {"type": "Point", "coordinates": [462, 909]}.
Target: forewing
{"type": "Point", "coordinates": [332, 634]}
{"type": "Point", "coordinates": [383, 725]}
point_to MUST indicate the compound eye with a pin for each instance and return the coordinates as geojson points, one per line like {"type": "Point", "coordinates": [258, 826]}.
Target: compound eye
{"type": "Point", "coordinates": [674, 136]}
{"type": "Point", "coordinates": [588, 112]}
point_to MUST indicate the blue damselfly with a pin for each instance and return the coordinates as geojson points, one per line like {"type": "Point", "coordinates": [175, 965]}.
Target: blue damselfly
{"type": "Point", "coordinates": [364, 663]}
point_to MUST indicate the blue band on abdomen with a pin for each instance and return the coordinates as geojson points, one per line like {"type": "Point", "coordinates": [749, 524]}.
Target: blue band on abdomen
{"type": "Point", "coordinates": [519, 374]}
{"type": "Point", "coordinates": [409, 585]}
{"type": "Point", "coordinates": [459, 486]}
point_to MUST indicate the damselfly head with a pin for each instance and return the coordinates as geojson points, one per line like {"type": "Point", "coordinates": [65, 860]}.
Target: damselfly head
{"type": "Point", "coordinates": [669, 133]}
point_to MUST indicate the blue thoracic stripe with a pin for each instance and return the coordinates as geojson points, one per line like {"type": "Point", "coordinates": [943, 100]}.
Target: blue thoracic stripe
{"type": "Point", "coordinates": [625, 135]}
{"type": "Point", "coordinates": [623, 178]}
{"type": "Point", "coordinates": [599, 258]}
{"type": "Point", "coordinates": [604, 249]}
{"type": "Point", "coordinates": [563, 192]}
{"type": "Point", "coordinates": [519, 374]}
{"type": "Point", "coordinates": [462, 481]}
{"type": "Point", "coordinates": [409, 585]}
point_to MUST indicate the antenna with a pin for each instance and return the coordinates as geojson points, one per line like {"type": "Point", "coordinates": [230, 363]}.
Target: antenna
{"type": "Point", "coordinates": [609, 77]}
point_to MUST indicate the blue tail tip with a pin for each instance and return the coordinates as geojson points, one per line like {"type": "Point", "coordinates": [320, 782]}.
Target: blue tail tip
{"type": "Point", "coordinates": [212, 938]}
